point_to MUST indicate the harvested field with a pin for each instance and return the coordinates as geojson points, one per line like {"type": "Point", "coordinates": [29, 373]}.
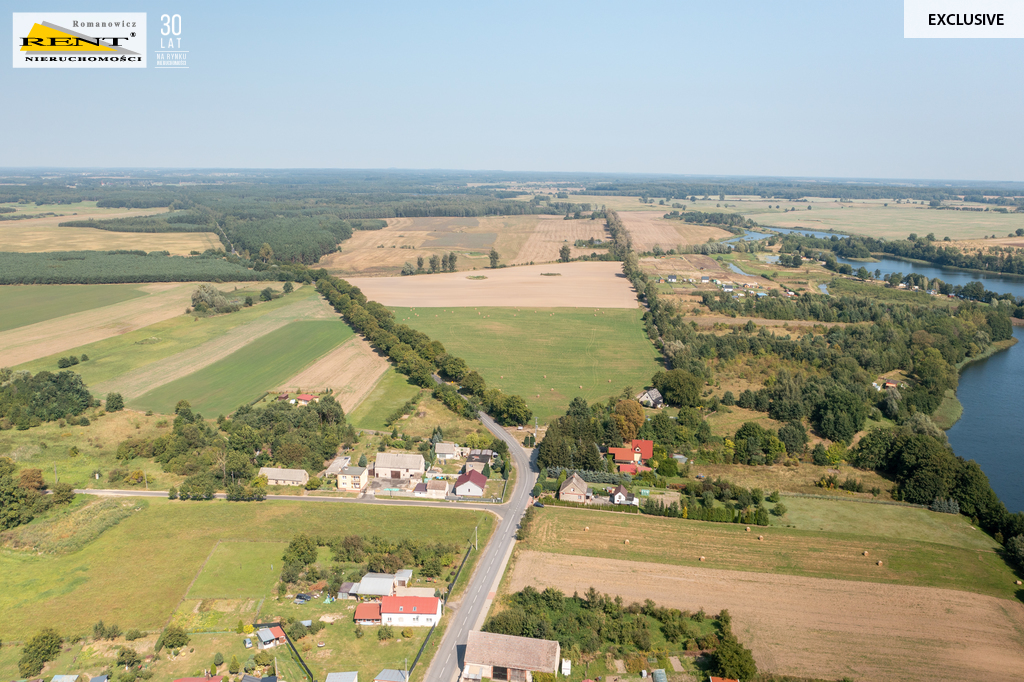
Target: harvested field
{"type": "Point", "coordinates": [351, 370]}
{"type": "Point", "coordinates": [816, 627]}
{"type": "Point", "coordinates": [20, 237]}
{"type": "Point", "coordinates": [165, 300]}
{"type": "Point", "coordinates": [150, 376]}
{"type": "Point", "coordinates": [590, 285]}
{"type": "Point", "coordinates": [554, 231]}
{"type": "Point", "coordinates": [650, 229]}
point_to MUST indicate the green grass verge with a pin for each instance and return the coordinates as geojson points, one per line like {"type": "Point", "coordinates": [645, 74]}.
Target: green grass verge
{"type": "Point", "coordinates": [136, 573]}
{"type": "Point", "coordinates": [117, 355]}
{"type": "Point", "coordinates": [834, 554]}
{"type": "Point", "coordinates": [263, 364]}
{"type": "Point", "coordinates": [24, 305]}
{"type": "Point", "coordinates": [391, 392]}
{"type": "Point", "coordinates": [545, 355]}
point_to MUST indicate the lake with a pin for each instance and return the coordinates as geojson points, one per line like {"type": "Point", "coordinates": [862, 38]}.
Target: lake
{"type": "Point", "coordinates": [993, 281]}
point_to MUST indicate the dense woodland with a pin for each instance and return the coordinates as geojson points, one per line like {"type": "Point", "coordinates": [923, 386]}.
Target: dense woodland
{"type": "Point", "coordinates": [113, 267]}
{"type": "Point", "coordinates": [27, 400]}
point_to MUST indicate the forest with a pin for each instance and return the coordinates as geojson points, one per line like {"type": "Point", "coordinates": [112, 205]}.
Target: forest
{"type": "Point", "coordinates": [113, 267]}
{"type": "Point", "coordinates": [27, 400]}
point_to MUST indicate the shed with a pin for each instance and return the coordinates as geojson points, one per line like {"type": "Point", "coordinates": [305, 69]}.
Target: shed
{"type": "Point", "coordinates": [342, 677]}
{"type": "Point", "coordinates": [376, 585]}
{"type": "Point", "coordinates": [403, 577]}
{"type": "Point", "coordinates": [390, 675]}
{"type": "Point", "coordinates": [276, 476]}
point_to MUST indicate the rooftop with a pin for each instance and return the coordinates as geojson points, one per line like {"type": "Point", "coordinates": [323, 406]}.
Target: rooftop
{"type": "Point", "coordinates": [342, 677]}
{"type": "Point", "coordinates": [409, 604]}
{"type": "Point", "coordinates": [472, 476]}
{"type": "Point", "coordinates": [277, 474]}
{"type": "Point", "coordinates": [399, 460]}
{"type": "Point", "coordinates": [520, 653]}
{"type": "Point", "coordinates": [389, 675]}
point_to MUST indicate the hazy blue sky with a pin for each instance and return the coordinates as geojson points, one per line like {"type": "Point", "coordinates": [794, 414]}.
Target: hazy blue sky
{"type": "Point", "coordinates": [767, 88]}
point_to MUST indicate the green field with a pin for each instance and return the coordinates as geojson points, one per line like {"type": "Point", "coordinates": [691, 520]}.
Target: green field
{"type": "Point", "coordinates": [240, 377]}
{"type": "Point", "coordinates": [546, 355]}
{"type": "Point", "coordinates": [237, 570]}
{"type": "Point", "coordinates": [28, 304]}
{"type": "Point", "coordinates": [117, 355]}
{"type": "Point", "coordinates": [136, 572]}
{"type": "Point", "coordinates": [391, 392]}
{"type": "Point", "coordinates": [915, 548]}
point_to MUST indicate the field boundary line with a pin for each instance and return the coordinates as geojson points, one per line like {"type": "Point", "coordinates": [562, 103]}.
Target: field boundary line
{"type": "Point", "coordinates": [194, 579]}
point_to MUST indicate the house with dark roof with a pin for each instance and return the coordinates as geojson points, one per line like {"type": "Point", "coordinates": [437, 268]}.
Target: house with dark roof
{"type": "Point", "coordinates": [470, 484]}
{"type": "Point", "coordinates": [477, 462]}
{"type": "Point", "coordinates": [504, 657]}
{"type": "Point", "coordinates": [622, 496]}
{"type": "Point", "coordinates": [651, 398]}
{"type": "Point", "coordinates": [573, 489]}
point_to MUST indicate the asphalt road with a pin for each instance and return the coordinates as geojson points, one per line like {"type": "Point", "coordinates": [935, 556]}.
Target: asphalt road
{"type": "Point", "coordinates": [490, 565]}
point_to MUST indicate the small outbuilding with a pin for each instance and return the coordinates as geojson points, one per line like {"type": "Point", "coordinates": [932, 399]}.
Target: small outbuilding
{"type": "Point", "coordinates": [276, 476]}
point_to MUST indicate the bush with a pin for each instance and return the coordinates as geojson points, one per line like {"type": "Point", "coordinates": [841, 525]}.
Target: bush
{"type": "Point", "coordinates": [233, 666]}
{"type": "Point", "coordinates": [774, 496]}
{"type": "Point", "coordinates": [779, 510]}
{"type": "Point", "coordinates": [407, 633]}
{"type": "Point", "coordinates": [945, 506]}
{"type": "Point", "coordinates": [133, 635]}
{"type": "Point", "coordinates": [359, 632]}
{"type": "Point", "coordinates": [385, 632]}
{"type": "Point", "coordinates": [732, 660]}
{"type": "Point", "coordinates": [175, 637]}
{"type": "Point", "coordinates": [115, 402]}
{"type": "Point", "coordinates": [218, 658]}
{"type": "Point", "coordinates": [128, 657]}
{"type": "Point", "coordinates": [43, 647]}
{"type": "Point", "coordinates": [264, 658]}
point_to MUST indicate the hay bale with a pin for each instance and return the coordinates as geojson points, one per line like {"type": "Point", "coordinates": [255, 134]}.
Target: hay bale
{"type": "Point", "coordinates": [1020, 583]}
{"type": "Point", "coordinates": [760, 537]}
{"type": "Point", "coordinates": [865, 552]}
{"type": "Point", "coordinates": [586, 528]}
{"type": "Point", "coordinates": [627, 542]}
{"type": "Point", "coordinates": [702, 558]}
{"type": "Point", "coordinates": [879, 563]}
{"type": "Point", "coordinates": [748, 529]}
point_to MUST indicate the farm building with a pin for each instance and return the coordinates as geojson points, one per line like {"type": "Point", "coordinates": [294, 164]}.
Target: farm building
{"type": "Point", "coordinates": [277, 476]}
{"type": "Point", "coordinates": [352, 478]}
{"type": "Point", "coordinates": [651, 398]}
{"type": "Point", "coordinates": [504, 657]}
{"type": "Point", "coordinates": [446, 451]}
{"type": "Point", "coordinates": [390, 675]}
{"type": "Point", "coordinates": [437, 489]}
{"type": "Point", "coordinates": [376, 585]}
{"type": "Point", "coordinates": [282, 396]}
{"type": "Point", "coordinates": [342, 677]}
{"type": "Point", "coordinates": [403, 577]}
{"type": "Point", "coordinates": [368, 613]}
{"type": "Point", "coordinates": [100, 678]}
{"type": "Point", "coordinates": [478, 460]}
{"type": "Point", "coordinates": [398, 465]}
{"type": "Point", "coordinates": [470, 484]}
{"type": "Point", "coordinates": [414, 611]}
{"type": "Point", "coordinates": [573, 489]}
{"type": "Point", "coordinates": [64, 678]}
{"type": "Point", "coordinates": [268, 638]}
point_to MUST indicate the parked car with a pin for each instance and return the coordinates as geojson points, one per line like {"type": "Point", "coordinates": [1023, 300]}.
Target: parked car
{"type": "Point", "coordinates": [538, 503]}
{"type": "Point", "coordinates": [248, 643]}
{"type": "Point", "coordinates": [303, 596]}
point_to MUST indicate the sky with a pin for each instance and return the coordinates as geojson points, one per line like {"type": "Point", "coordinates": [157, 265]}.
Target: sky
{"type": "Point", "coordinates": [808, 89]}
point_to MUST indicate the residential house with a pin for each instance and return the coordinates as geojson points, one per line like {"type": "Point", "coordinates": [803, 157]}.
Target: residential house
{"type": "Point", "coordinates": [368, 613]}
{"type": "Point", "coordinates": [471, 484]}
{"type": "Point", "coordinates": [268, 638]}
{"type": "Point", "coordinates": [414, 611]}
{"type": "Point", "coordinates": [306, 399]}
{"type": "Point", "coordinates": [633, 469]}
{"type": "Point", "coordinates": [215, 678]}
{"type": "Point", "coordinates": [638, 452]}
{"type": "Point", "coordinates": [400, 465]}
{"type": "Point", "coordinates": [704, 279]}
{"type": "Point", "coordinates": [622, 496]}
{"type": "Point", "coordinates": [651, 398]}
{"type": "Point", "coordinates": [477, 462]}
{"type": "Point", "coordinates": [403, 577]}
{"type": "Point", "coordinates": [352, 478]}
{"type": "Point", "coordinates": [508, 658]}
{"type": "Point", "coordinates": [376, 585]}
{"type": "Point", "coordinates": [390, 675]}
{"type": "Point", "coordinates": [573, 489]}
{"type": "Point", "coordinates": [446, 451]}
{"type": "Point", "coordinates": [277, 476]}
{"type": "Point", "coordinates": [64, 678]}
{"type": "Point", "coordinates": [253, 678]}
{"type": "Point", "coordinates": [335, 467]}
{"type": "Point", "coordinates": [342, 677]}
{"type": "Point", "coordinates": [436, 489]}
{"type": "Point", "coordinates": [671, 279]}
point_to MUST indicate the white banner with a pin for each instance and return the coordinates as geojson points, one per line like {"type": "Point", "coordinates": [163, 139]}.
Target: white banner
{"type": "Point", "coordinates": [76, 40]}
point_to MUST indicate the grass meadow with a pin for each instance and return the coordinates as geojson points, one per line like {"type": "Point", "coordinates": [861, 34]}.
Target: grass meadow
{"type": "Point", "coordinates": [28, 304]}
{"type": "Point", "coordinates": [914, 549]}
{"type": "Point", "coordinates": [221, 387]}
{"type": "Point", "coordinates": [136, 573]}
{"type": "Point", "coordinates": [391, 392]}
{"type": "Point", "coordinates": [545, 355]}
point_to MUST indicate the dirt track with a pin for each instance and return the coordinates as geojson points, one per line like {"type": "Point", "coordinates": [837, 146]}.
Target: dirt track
{"type": "Point", "coordinates": [351, 370]}
{"type": "Point", "coordinates": [590, 284]}
{"type": "Point", "coordinates": [649, 228]}
{"type": "Point", "coordinates": [816, 627]}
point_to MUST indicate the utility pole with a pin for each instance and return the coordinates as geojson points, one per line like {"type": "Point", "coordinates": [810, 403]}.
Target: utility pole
{"type": "Point", "coordinates": [476, 544]}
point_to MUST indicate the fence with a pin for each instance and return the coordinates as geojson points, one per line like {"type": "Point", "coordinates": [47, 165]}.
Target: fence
{"type": "Point", "coordinates": [457, 574]}
{"type": "Point", "coordinates": [295, 652]}
{"type": "Point", "coordinates": [424, 646]}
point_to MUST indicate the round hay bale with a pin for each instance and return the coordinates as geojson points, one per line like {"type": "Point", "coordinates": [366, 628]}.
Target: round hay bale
{"type": "Point", "coordinates": [581, 386]}
{"type": "Point", "coordinates": [865, 552]}
{"type": "Point", "coordinates": [627, 542]}
{"type": "Point", "coordinates": [702, 558]}
{"type": "Point", "coordinates": [748, 529]}
{"type": "Point", "coordinates": [879, 563]}
{"type": "Point", "coordinates": [586, 528]}
{"type": "Point", "coordinates": [1020, 583]}
{"type": "Point", "coordinates": [760, 537]}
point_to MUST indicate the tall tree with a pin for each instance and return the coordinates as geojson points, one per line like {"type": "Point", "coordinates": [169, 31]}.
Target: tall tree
{"type": "Point", "coordinates": [494, 258]}
{"type": "Point", "coordinates": [564, 253]}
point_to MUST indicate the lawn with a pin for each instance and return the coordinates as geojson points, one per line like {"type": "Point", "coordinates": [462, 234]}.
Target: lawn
{"type": "Point", "coordinates": [28, 304]}
{"type": "Point", "coordinates": [927, 560]}
{"type": "Point", "coordinates": [391, 392]}
{"type": "Point", "coordinates": [548, 356]}
{"type": "Point", "coordinates": [237, 570]}
{"type": "Point", "coordinates": [221, 387]}
{"type": "Point", "coordinates": [118, 355]}
{"type": "Point", "coordinates": [136, 573]}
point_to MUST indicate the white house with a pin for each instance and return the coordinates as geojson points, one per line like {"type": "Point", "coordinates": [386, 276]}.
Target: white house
{"type": "Point", "coordinates": [414, 611]}
{"type": "Point", "coordinates": [277, 476]}
{"type": "Point", "coordinates": [446, 451]}
{"type": "Point", "coordinates": [622, 496]}
{"type": "Point", "coordinates": [398, 465]}
{"type": "Point", "coordinates": [470, 484]}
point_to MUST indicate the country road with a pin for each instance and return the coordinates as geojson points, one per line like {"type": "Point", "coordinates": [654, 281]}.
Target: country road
{"type": "Point", "coordinates": [490, 565]}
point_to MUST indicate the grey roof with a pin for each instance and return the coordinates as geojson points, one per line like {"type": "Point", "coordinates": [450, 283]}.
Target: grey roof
{"type": "Point", "coordinates": [399, 460]}
{"type": "Point", "coordinates": [353, 471]}
{"type": "Point", "coordinates": [445, 448]}
{"type": "Point", "coordinates": [574, 480]}
{"type": "Point", "coordinates": [265, 635]}
{"type": "Point", "coordinates": [520, 653]}
{"type": "Point", "coordinates": [101, 678]}
{"type": "Point", "coordinates": [307, 623]}
{"type": "Point", "coordinates": [64, 678]}
{"type": "Point", "coordinates": [277, 474]}
{"type": "Point", "coordinates": [434, 484]}
{"type": "Point", "coordinates": [659, 675]}
{"type": "Point", "coordinates": [338, 464]}
{"type": "Point", "coordinates": [342, 677]}
{"type": "Point", "coordinates": [481, 457]}
{"type": "Point", "coordinates": [376, 585]}
{"type": "Point", "coordinates": [347, 588]}
{"type": "Point", "coordinates": [404, 574]}
{"type": "Point", "coordinates": [389, 675]}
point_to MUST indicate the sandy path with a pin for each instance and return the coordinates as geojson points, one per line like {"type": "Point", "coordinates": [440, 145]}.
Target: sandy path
{"type": "Point", "coordinates": [144, 379]}
{"type": "Point", "coordinates": [554, 231]}
{"type": "Point", "coordinates": [590, 284]}
{"type": "Point", "coordinates": [649, 228]}
{"type": "Point", "coordinates": [351, 370]}
{"type": "Point", "coordinates": [33, 341]}
{"type": "Point", "coordinates": [816, 627]}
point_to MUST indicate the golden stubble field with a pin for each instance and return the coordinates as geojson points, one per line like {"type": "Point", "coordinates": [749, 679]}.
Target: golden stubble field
{"type": "Point", "coordinates": [552, 232]}
{"type": "Point", "coordinates": [351, 370]}
{"type": "Point", "coordinates": [815, 627]}
{"type": "Point", "coordinates": [596, 284]}
{"type": "Point", "coordinates": [649, 229]}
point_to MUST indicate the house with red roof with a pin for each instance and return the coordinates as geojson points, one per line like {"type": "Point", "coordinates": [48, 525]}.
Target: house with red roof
{"type": "Point", "coordinates": [268, 638]}
{"type": "Point", "coordinates": [306, 399]}
{"type": "Point", "coordinates": [368, 613]}
{"type": "Point", "coordinates": [638, 452]}
{"type": "Point", "coordinates": [414, 611]}
{"type": "Point", "coordinates": [633, 469]}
